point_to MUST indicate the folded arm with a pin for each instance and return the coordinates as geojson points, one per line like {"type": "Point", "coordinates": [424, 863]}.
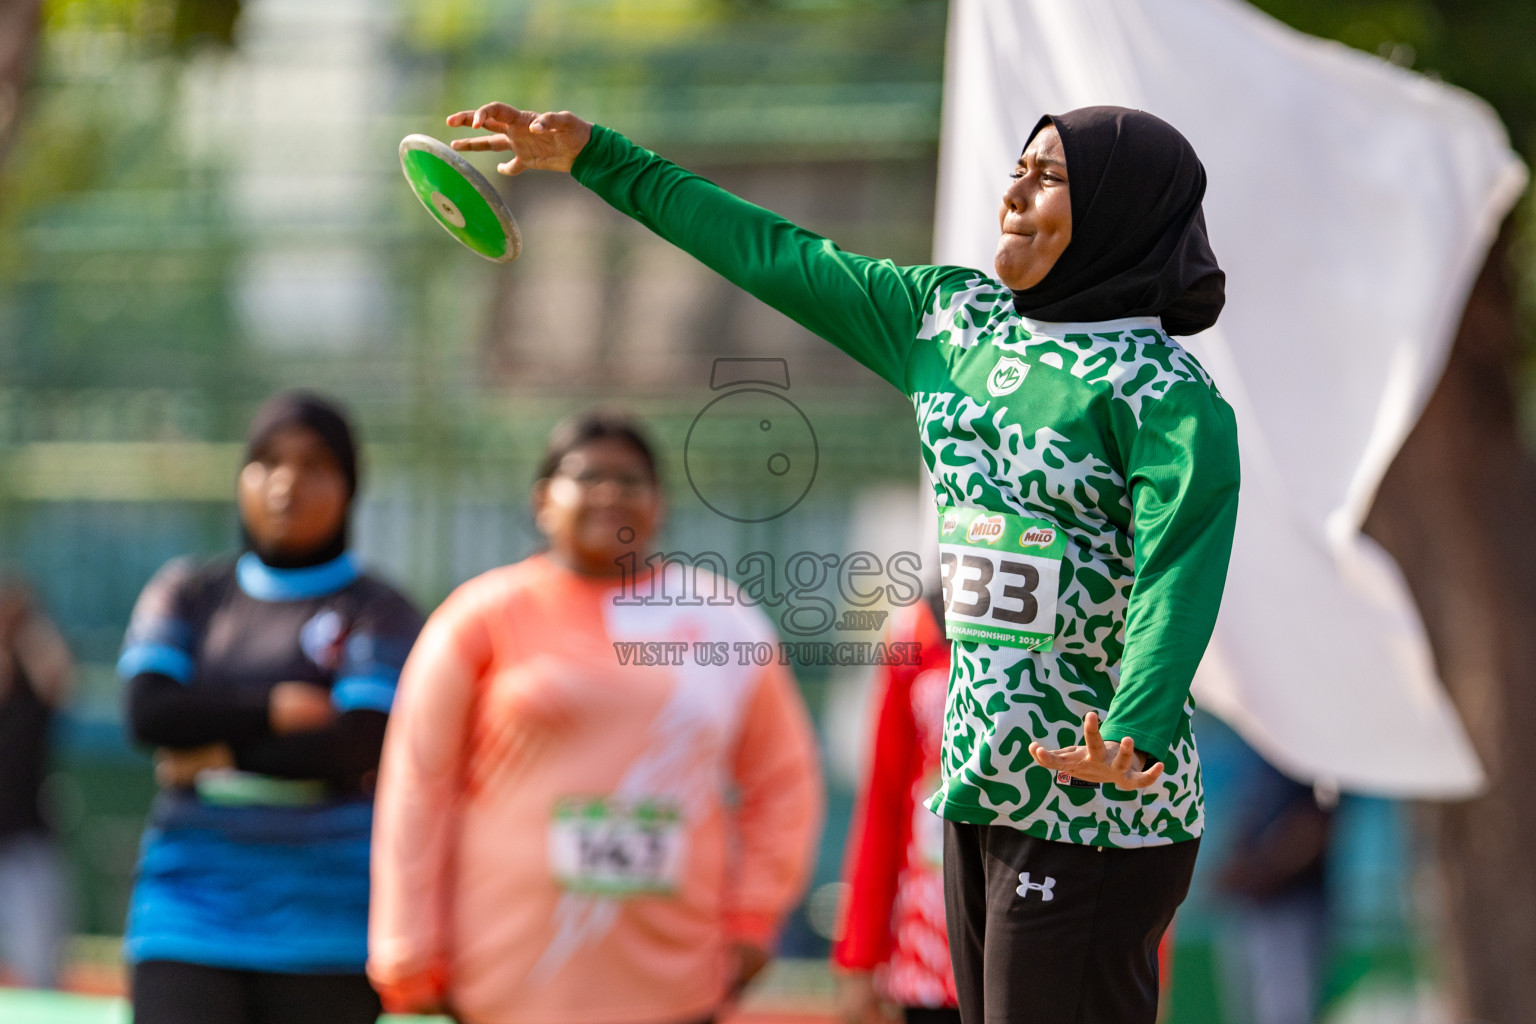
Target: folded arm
{"type": "Point", "coordinates": [344, 753]}
{"type": "Point", "coordinates": [165, 712]}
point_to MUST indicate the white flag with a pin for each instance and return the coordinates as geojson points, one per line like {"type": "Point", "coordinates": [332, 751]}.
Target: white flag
{"type": "Point", "coordinates": [1351, 204]}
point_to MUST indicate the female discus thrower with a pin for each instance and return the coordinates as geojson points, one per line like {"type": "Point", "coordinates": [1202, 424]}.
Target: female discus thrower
{"type": "Point", "coordinates": [1051, 400]}
{"type": "Point", "coordinates": [264, 682]}
{"type": "Point", "coordinates": [591, 809]}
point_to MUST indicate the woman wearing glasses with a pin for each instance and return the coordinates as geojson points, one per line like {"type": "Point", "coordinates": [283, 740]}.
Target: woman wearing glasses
{"type": "Point", "coordinates": [584, 817]}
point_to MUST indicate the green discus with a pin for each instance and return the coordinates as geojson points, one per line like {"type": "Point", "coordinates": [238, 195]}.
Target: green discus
{"type": "Point", "coordinates": [464, 203]}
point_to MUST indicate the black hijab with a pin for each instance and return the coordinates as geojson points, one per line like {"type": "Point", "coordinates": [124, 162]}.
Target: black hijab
{"type": "Point", "coordinates": [326, 420]}
{"type": "Point", "coordinates": [1138, 244]}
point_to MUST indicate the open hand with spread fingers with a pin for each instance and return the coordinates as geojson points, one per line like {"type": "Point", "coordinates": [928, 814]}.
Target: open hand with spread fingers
{"type": "Point", "coordinates": [1093, 760]}
{"type": "Point", "coordinates": [539, 142]}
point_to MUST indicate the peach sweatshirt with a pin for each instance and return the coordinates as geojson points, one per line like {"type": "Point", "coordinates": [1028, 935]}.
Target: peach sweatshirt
{"type": "Point", "coordinates": [515, 700]}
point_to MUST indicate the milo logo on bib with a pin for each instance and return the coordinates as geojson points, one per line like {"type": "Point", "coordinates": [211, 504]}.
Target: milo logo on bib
{"type": "Point", "coordinates": [985, 531]}
{"type": "Point", "coordinates": [1000, 574]}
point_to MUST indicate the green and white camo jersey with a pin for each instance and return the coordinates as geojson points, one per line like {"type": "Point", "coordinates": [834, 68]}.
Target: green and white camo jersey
{"type": "Point", "coordinates": [1110, 431]}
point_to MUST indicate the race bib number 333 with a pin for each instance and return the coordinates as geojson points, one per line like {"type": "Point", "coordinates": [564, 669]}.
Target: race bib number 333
{"type": "Point", "coordinates": [1000, 574]}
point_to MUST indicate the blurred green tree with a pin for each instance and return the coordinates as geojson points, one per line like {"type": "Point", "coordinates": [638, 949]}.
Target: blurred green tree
{"type": "Point", "coordinates": [1481, 45]}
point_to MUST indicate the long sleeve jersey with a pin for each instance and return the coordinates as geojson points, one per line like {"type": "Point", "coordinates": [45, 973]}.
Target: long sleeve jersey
{"type": "Point", "coordinates": [894, 921]}
{"type": "Point", "coordinates": [1109, 432]}
{"type": "Point", "coordinates": [276, 879]}
{"type": "Point", "coordinates": [578, 814]}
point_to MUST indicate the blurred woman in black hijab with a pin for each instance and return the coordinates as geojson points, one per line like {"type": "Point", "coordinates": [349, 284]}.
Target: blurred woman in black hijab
{"type": "Point", "coordinates": [264, 683]}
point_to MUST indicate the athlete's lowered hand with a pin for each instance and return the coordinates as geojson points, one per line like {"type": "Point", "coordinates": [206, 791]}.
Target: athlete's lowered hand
{"type": "Point", "coordinates": [299, 707]}
{"type": "Point", "coordinates": [539, 142]}
{"type": "Point", "coordinates": [1093, 760]}
{"type": "Point", "coordinates": [750, 961]}
{"type": "Point", "coordinates": [857, 1001]}
{"type": "Point", "coordinates": [176, 768]}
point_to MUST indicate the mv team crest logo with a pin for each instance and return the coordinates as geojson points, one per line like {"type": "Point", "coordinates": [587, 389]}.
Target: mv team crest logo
{"type": "Point", "coordinates": [322, 637]}
{"type": "Point", "coordinates": [1006, 377]}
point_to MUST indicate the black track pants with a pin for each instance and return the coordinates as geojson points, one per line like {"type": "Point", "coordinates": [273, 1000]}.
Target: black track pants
{"type": "Point", "coordinates": [1057, 933]}
{"type": "Point", "coordinates": [924, 1015]}
{"type": "Point", "coordinates": [170, 992]}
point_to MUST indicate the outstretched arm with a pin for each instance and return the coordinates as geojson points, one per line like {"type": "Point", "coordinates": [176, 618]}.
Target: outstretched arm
{"type": "Point", "coordinates": [871, 309]}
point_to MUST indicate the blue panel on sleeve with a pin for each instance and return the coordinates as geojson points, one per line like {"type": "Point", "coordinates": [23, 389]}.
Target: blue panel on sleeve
{"type": "Point", "coordinates": [160, 658]}
{"type": "Point", "coordinates": [364, 693]}
{"type": "Point", "coordinates": [159, 629]}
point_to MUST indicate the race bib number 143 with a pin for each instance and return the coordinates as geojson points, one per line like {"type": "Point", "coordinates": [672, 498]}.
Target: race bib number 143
{"type": "Point", "coordinates": [1000, 574]}
{"type": "Point", "coordinates": [603, 847]}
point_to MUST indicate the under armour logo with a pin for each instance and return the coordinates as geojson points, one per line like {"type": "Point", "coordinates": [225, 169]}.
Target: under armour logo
{"type": "Point", "coordinates": [1043, 888]}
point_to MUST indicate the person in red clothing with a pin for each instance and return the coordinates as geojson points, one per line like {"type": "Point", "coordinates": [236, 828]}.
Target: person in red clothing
{"type": "Point", "coordinates": [893, 946]}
